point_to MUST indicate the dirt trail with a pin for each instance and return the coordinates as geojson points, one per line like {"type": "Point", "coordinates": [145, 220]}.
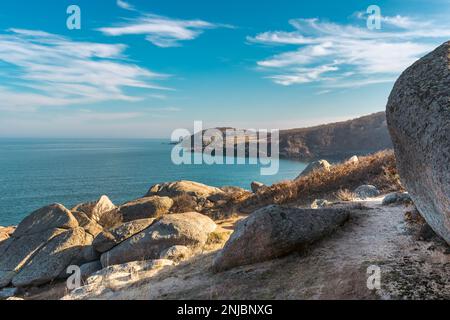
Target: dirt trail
{"type": "Point", "coordinates": [335, 268]}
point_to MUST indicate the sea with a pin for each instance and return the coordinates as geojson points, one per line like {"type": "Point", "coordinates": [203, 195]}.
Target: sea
{"type": "Point", "coordinates": [38, 172]}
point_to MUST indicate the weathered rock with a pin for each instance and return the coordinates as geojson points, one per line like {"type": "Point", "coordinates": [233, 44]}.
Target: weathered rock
{"type": "Point", "coordinates": [108, 239]}
{"type": "Point", "coordinates": [173, 189]}
{"type": "Point", "coordinates": [418, 116]}
{"type": "Point", "coordinates": [49, 217]}
{"type": "Point", "coordinates": [130, 268]}
{"type": "Point", "coordinates": [89, 225]}
{"type": "Point", "coordinates": [257, 186]}
{"type": "Point", "coordinates": [95, 210]}
{"type": "Point", "coordinates": [352, 160]}
{"type": "Point", "coordinates": [148, 207]}
{"type": "Point", "coordinates": [7, 293]}
{"type": "Point", "coordinates": [275, 231]}
{"type": "Point", "coordinates": [188, 229]}
{"type": "Point", "coordinates": [88, 253]}
{"type": "Point", "coordinates": [53, 258]}
{"type": "Point", "coordinates": [316, 165]}
{"type": "Point", "coordinates": [90, 268]}
{"type": "Point", "coordinates": [367, 191]}
{"type": "Point", "coordinates": [34, 233]}
{"type": "Point", "coordinates": [320, 203]}
{"type": "Point", "coordinates": [20, 250]}
{"type": "Point", "coordinates": [396, 198]}
{"type": "Point", "coordinates": [6, 232]}
{"type": "Point", "coordinates": [176, 253]}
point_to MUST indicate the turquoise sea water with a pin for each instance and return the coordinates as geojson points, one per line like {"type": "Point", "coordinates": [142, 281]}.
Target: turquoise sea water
{"type": "Point", "coordinates": [37, 172]}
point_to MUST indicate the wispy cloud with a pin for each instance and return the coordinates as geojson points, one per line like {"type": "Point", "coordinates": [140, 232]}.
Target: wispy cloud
{"type": "Point", "coordinates": [161, 31]}
{"type": "Point", "coordinates": [125, 5]}
{"type": "Point", "coordinates": [44, 69]}
{"type": "Point", "coordinates": [339, 55]}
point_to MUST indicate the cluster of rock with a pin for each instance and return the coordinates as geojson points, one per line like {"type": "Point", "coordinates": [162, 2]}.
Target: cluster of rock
{"type": "Point", "coordinates": [99, 234]}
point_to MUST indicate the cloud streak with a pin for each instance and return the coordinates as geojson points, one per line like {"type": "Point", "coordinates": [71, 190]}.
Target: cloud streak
{"type": "Point", "coordinates": [44, 69]}
{"type": "Point", "coordinates": [161, 31]}
{"type": "Point", "coordinates": [335, 55]}
{"type": "Point", "coordinates": [125, 5]}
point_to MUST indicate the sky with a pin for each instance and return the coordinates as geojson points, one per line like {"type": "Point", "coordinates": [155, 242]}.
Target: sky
{"type": "Point", "coordinates": [141, 69]}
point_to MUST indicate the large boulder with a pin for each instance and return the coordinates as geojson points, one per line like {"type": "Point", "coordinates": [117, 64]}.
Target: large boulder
{"type": "Point", "coordinates": [178, 188]}
{"type": "Point", "coordinates": [42, 246]}
{"type": "Point", "coordinates": [51, 261]}
{"type": "Point", "coordinates": [418, 117]}
{"type": "Point", "coordinates": [97, 209]}
{"type": "Point", "coordinates": [49, 217]}
{"type": "Point", "coordinates": [144, 208]}
{"type": "Point", "coordinates": [314, 166]}
{"type": "Point", "coordinates": [19, 250]}
{"type": "Point", "coordinates": [108, 239]}
{"type": "Point", "coordinates": [187, 229]}
{"type": "Point", "coordinates": [275, 231]}
{"type": "Point", "coordinates": [31, 235]}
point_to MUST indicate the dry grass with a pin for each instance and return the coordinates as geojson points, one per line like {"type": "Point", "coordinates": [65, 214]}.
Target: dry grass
{"type": "Point", "coordinates": [378, 169]}
{"type": "Point", "coordinates": [345, 195]}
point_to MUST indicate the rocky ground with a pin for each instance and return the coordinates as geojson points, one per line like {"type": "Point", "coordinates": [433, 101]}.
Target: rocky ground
{"type": "Point", "coordinates": [335, 268]}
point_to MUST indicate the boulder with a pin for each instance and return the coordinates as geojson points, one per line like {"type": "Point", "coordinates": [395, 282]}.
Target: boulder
{"type": "Point", "coordinates": [418, 117]}
{"type": "Point", "coordinates": [256, 186]}
{"type": "Point", "coordinates": [173, 189]}
{"type": "Point", "coordinates": [89, 225]}
{"type": "Point", "coordinates": [130, 268]}
{"type": "Point", "coordinates": [19, 250]}
{"type": "Point", "coordinates": [108, 239]}
{"type": "Point", "coordinates": [352, 160]}
{"type": "Point", "coordinates": [275, 231]}
{"type": "Point", "coordinates": [176, 253]}
{"type": "Point", "coordinates": [144, 208]}
{"type": "Point", "coordinates": [320, 203]}
{"type": "Point", "coordinates": [95, 210]}
{"type": "Point", "coordinates": [7, 293]}
{"type": "Point", "coordinates": [53, 258]}
{"type": "Point", "coordinates": [49, 217]}
{"type": "Point", "coordinates": [314, 166]}
{"type": "Point", "coordinates": [396, 198]}
{"type": "Point", "coordinates": [42, 246]}
{"type": "Point", "coordinates": [367, 191]}
{"type": "Point", "coordinates": [89, 268]}
{"type": "Point", "coordinates": [188, 229]}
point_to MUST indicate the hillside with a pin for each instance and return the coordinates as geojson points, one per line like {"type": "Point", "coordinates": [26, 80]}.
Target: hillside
{"type": "Point", "coordinates": [338, 140]}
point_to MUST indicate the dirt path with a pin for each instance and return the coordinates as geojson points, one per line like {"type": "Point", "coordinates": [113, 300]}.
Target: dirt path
{"type": "Point", "coordinates": [335, 268]}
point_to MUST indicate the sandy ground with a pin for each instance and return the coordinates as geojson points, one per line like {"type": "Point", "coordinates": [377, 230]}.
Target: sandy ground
{"type": "Point", "coordinates": [335, 268]}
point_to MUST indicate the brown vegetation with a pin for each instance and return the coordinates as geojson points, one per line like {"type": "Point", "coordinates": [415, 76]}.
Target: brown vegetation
{"type": "Point", "coordinates": [378, 169]}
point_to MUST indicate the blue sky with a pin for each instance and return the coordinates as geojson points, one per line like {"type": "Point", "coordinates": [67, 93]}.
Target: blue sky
{"type": "Point", "coordinates": [144, 68]}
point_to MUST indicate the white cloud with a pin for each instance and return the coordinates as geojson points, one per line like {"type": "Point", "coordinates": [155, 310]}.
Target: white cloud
{"type": "Point", "coordinates": [44, 69]}
{"type": "Point", "coordinates": [125, 5]}
{"type": "Point", "coordinates": [161, 31]}
{"type": "Point", "coordinates": [351, 54]}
